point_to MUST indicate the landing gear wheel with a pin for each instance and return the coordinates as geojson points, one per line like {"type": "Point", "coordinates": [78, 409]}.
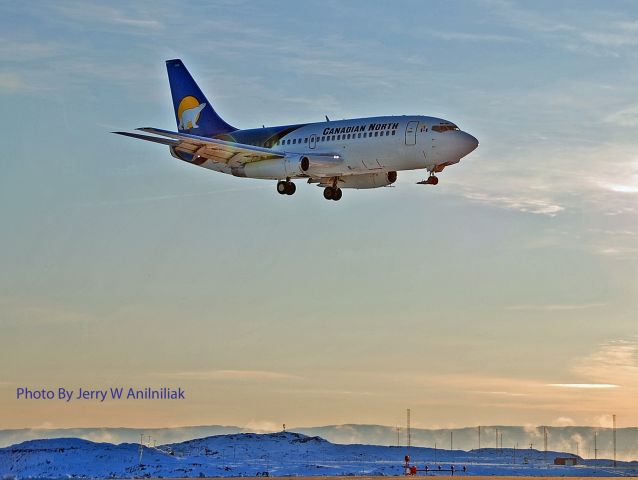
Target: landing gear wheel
{"type": "Point", "coordinates": [327, 193]}
{"type": "Point", "coordinates": [432, 180]}
{"type": "Point", "coordinates": [281, 187]}
{"type": "Point", "coordinates": [337, 194]}
{"type": "Point", "coordinates": [290, 188]}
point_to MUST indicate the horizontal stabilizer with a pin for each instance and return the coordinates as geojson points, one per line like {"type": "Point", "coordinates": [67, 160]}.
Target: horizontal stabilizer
{"type": "Point", "coordinates": [214, 142]}
{"type": "Point", "coordinates": [163, 141]}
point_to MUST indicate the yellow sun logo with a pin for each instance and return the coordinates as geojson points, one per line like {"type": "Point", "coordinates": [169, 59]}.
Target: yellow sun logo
{"type": "Point", "coordinates": [188, 112]}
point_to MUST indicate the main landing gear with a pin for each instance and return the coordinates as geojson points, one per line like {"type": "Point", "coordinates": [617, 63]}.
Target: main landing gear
{"type": "Point", "coordinates": [332, 193]}
{"type": "Point", "coordinates": [432, 180]}
{"type": "Point", "coordinates": [286, 188]}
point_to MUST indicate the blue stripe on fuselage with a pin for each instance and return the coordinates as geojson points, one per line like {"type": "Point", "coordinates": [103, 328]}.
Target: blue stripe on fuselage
{"type": "Point", "coordinates": [261, 137]}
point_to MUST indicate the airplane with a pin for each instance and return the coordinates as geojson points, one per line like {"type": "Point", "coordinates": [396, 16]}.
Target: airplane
{"type": "Point", "coordinates": [355, 153]}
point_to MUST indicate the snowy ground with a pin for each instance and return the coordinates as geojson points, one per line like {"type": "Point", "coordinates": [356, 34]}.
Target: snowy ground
{"type": "Point", "coordinates": [279, 454]}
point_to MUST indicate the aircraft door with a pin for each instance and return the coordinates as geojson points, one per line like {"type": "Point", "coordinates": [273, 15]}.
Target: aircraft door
{"type": "Point", "coordinates": [313, 141]}
{"type": "Point", "coordinates": [410, 133]}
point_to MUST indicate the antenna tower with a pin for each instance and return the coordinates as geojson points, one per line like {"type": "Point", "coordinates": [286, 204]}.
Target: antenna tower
{"type": "Point", "coordinates": [409, 431]}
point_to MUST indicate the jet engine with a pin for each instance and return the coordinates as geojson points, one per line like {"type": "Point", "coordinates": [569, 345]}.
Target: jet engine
{"type": "Point", "coordinates": [367, 180]}
{"type": "Point", "coordinates": [289, 166]}
{"type": "Point", "coordinates": [321, 165]}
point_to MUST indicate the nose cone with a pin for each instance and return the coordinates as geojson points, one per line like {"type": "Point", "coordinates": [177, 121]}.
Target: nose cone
{"type": "Point", "coordinates": [468, 144]}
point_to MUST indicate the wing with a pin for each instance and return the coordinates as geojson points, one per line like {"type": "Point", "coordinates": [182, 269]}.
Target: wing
{"type": "Point", "coordinates": [230, 154]}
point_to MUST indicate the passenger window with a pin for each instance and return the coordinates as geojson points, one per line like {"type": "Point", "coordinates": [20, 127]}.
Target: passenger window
{"type": "Point", "coordinates": [333, 138]}
{"type": "Point", "coordinates": [387, 133]}
{"type": "Point", "coordinates": [376, 134]}
{"type": "Point", "coordinates": [305, 140]}
{"type": "Point", "coordinates": [358, 135]}
{"type": "Point", "coordinates": [394, 132]}
{"type": "Point", "coordinates": [294, 140]}
{"type": "Point", "coordinates": [339, 137]}
{"type": "Point", "coordinates": [323, 139]}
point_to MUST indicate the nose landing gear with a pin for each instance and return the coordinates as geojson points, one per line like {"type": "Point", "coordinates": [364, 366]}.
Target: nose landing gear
{"type": "Point", "coordinates": [431, 180]}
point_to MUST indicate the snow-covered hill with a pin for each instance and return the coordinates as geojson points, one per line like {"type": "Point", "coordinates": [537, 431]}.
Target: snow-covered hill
{"type": "Point", "coordinates": [280, 454]}
{"type": "Point", "coordinates": [573, 439]}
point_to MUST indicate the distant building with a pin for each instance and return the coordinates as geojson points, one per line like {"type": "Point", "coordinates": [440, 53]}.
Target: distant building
{"type": "Point", "coordinates": [567, 461]}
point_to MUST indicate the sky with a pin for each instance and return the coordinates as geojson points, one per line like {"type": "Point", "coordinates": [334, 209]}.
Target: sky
{"type": "Point", "coordinates": [507, 294]}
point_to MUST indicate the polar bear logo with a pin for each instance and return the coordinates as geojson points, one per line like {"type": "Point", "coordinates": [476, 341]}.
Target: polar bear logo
{"type": "Point", "coordinates": [190, 116]}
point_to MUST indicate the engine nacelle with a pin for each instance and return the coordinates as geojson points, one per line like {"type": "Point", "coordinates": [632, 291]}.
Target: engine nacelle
{"type": "Point", "coordinates": [321, 165]}
{"type": "Point", "coordinates": [368, 180]}
{"type": "Point", "coordinates": [289, 166]}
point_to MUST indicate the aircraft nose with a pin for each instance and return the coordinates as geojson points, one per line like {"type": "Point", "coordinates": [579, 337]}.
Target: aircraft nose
{"type": "Point", "coordinates": [470, 143]}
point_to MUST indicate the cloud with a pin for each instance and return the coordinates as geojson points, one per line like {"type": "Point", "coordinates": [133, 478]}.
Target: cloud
{"type": "Point", "coordinates": [603, 421]}
{"type": "Point", "coordinates": [474, 37]}
{"type": "Point", "coordinates": [16, 313]}
{"type": "Point", "coordinates": [532, 430]}
{"type": "Point", "coordinates": [25, 50]}
{"type": "Point", "coordinates": [255, 375]}
{"type": "Point", "coordinates": [524, 204]}
{"type": "Point", "coordinates": [504, 393]}
{"type": "Point", "coordinates": [11, 82]}
{"type": "Point", "coordinates": [564, 422]}
{"type": "Point", "coordinates": [556, 307]}
{"type": "Point", "coordinates": [615, 361]}
{"type": "Point", "coordinates": [582, 385]}
{"type": "Point", "coordinates": [526, 19]}
{"type": "Point", "coordinates": [625, 117]}
{"type": "Point", "coordinates": [619, 34]}
{"type": "Point", "coordinates": [575, 37]}
{"type": "Point", "coordinates": [609, 39]}
{"type": "Point", "coordinates": [176, 196]}
{"type": "Point", "coordinates": [623, 188]}
{"type": "Point", "coordinates": [108, 17]}
{"type": "Point", "coordinates": [263, 426]}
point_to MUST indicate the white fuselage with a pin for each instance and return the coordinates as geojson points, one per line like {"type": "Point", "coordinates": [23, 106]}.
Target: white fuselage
{"type": "Point", "coordinates": [389, 143]}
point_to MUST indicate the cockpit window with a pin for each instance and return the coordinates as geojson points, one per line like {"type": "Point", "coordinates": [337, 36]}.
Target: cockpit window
{"type": "Point", "coordinates": [444, 127]}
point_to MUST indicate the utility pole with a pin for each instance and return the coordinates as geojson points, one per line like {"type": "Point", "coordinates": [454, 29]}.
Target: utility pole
{"type": "Point", "coordinates": [595, 445]}
{"type": "Point", "coordinates": [451, 442]}
{"type": "Point", "coordinates": [614, 420]}
{"type": "Point", "coordinates": [398, 436]}
{"type": "Point", "coordinates": [141, 447]}
{"type": "Point", "coordinates": [496, 438]}
{"type": "Point", "coordinates": [479, 436]}
{"type": "Point", "coordinates": [545, 444]}
{"type": "Point", "coordinates": [409, 432]}
{"type": "Point", "coordinates": [501, 436]}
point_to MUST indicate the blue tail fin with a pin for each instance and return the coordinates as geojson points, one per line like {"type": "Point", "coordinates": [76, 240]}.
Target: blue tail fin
{"type": "Point", "coordinates": [193, 112]}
